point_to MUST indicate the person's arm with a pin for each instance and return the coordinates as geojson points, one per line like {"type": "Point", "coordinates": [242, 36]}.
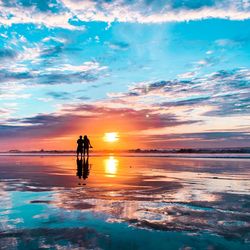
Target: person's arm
{"type": "Point", "coordinates": [90, 144]}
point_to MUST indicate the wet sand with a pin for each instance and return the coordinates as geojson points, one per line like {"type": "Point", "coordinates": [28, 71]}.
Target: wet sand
{"type": "Point", "coordinates": [124, 203]}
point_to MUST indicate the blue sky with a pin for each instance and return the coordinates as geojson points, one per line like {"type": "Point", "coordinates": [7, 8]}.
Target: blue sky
{"type": "Point", "coordinates": [186, 62]}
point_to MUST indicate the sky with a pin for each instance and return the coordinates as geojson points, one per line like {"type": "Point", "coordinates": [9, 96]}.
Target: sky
{"type": "Point", "coordinates": [162, 74]}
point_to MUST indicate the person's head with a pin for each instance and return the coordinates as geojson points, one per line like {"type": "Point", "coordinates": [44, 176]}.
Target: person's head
{"type": "Point", "coordinates": [85, 137]}
{"type": "Point", "coordinates": [80, 137]}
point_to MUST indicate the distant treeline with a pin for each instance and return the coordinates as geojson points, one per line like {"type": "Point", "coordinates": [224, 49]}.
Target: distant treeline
{"type": "Point", "coordinates": [138, 150]}
{"type": "Point", "coordinates": [195, 150]}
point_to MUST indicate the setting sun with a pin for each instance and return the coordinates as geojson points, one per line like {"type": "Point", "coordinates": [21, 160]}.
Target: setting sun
{"type": "Point", "coordinates": [111, 137]}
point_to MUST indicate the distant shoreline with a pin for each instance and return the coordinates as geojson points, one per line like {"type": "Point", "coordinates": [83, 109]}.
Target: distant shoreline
{"type": "Point", "coordinates": [225, 153]}
{"type": "Point", "coordinates": [242, 150]}
{"type": "Point", "coordinates": [133, 154]}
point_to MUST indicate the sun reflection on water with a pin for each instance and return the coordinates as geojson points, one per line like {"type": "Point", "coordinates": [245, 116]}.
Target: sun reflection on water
{"type": "Point", "coordinates": [111, 166]}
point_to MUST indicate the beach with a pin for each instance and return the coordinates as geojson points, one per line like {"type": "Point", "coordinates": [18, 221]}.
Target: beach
{"type": "Point", "coordinates": [123, 202]}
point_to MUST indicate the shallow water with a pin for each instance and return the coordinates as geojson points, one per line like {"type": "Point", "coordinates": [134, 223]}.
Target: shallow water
{"type": "Point", "coordinates": [124, 203]}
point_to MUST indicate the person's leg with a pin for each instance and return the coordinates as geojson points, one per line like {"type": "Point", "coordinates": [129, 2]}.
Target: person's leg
{"type": "Point", "coordinates": [87, 151]}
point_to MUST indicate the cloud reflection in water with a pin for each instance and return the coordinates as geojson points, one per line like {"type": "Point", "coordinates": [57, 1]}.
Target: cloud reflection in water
{"type": "Point", "coordinates": [192, 196]}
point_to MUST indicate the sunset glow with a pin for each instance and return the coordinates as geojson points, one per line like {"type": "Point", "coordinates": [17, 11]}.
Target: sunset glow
{"type": "Point", "coordinates": [161, 75]}
{"type": "Point", "coordinates": [111, 137]}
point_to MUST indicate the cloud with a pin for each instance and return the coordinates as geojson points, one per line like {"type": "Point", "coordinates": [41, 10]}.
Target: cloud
{"type": "Point", "coordinates": [48, 61]}
{"type": "Point", "coordinates": [7, 54]}
{"type": "Point", "coordinates": [225, 91]}
{"type": "Point", "coordinates": [197, 140]}
{"type": "Point", "coordinates": [62, 95]}
{"type": "Point", "coordinates": [61, 14]}
{"type": "Point", "coordinates": [12, 91]}
{"type": "Point", "coordinates": [7, 75]}
{"type": "Point", "coordinates": [209, 61]}
{"type": "Point", "coordinates": [51, 51]}
{"type": "Point", "coordinates": [187, 75]}
{"type": "Point", "coordinates": [231, 104]}
{"type": "Point", "coordinates": [5, 113]}
{"type": "Point", "coordinates": [187, 102]}
{"type": "Point", "coordinates": [227, 42]}
{"type": "Point", "coordinates": [212, 136]}
{"type": "Point", "coordinates": [156, 11]}
{"type": "Point", "coordinates": [54, 39]}
{"type": "Point", "coordinates": [25, 12]}
{"type": "Point", "coordinates": [118, 45]}
{"type": "Point", "coordinates": [158, 88]}
{"type": "Point", "coordinates": [73, 118]}
{"type": "Point", "coordinates": [61, 74]}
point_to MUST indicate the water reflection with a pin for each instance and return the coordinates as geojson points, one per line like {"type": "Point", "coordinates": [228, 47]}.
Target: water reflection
{"type": "Point", "coordinates": [79, 168]}
{"type": "Point", "coordinates": [111, 166]}
{"type": "Point", "coordinates": [86, 168]}
{"type": "Point", "coordinates": [187, 197]}
{"type": "Point", "coordinates": [83, 169]}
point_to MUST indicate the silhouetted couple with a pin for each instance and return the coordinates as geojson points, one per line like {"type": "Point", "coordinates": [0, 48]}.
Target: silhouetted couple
{"type": "Point", "coordinates": [83, 146]}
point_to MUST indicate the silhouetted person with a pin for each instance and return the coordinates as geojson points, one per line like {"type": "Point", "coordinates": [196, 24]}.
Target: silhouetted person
{"type": "Point", "coordinates": [79, 146]}
{"type": "Point", "coordinates": [85, 173]}
{"type": "Point", "coordinates": [79, 172]}
{"type": "Point", "coordinates": [87, 145]}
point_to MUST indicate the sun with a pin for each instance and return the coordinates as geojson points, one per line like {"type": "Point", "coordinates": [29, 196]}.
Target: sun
{"type": "Point", "coordinates": [111, 137]}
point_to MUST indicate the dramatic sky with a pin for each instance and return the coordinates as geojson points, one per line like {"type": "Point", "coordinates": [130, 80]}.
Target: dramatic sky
{"type": "Point", "coordinates": [161, 73]}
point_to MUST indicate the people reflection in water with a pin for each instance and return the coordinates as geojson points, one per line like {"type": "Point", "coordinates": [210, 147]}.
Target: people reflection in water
{"type": "Point", "coordinates": [86, 145]}
{"type": "Point", "coordinates": [79, 168]}
{"type": "Point", "coordinates": [86, 169]}
{"type": "Point", "coordinates": [83, 169]}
